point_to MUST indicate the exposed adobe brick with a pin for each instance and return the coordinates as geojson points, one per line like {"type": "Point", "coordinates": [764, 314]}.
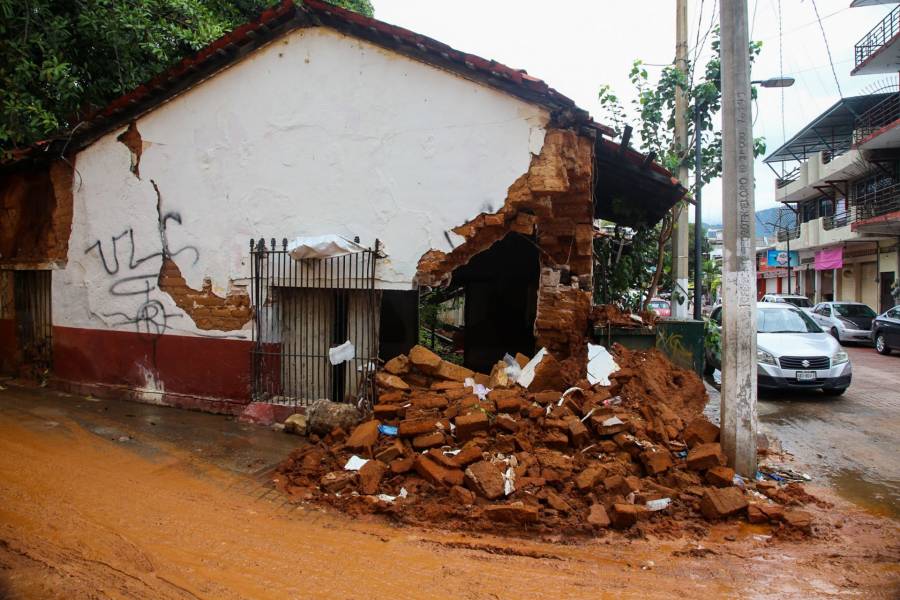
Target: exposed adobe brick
{"type": "Point", "coordinates": [36, 214]}
{"type": "Point", "coordinates": [131, 137]}
{"type": "Point", "coordinates": [208, 311]}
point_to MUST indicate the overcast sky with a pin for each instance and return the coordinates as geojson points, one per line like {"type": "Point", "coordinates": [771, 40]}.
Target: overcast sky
{"type": "Point", "coordinates": [577, 45]}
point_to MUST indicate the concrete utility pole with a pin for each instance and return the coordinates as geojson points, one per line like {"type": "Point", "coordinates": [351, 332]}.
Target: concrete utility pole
{"type": "Point", "coordinates": [738, 399]}
{"type": "Point", "coordinates": [680, 235]}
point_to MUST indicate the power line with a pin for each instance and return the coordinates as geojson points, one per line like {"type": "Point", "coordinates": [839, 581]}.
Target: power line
{"type": "Point", "coordinates": [827, 48]}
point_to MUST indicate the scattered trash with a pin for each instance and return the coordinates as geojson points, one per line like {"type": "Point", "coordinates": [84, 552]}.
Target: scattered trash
{"type": "Point", "coordinates": [600, 365]}
{"type": "Point", "coordinates": [659, 504]}
{"type": "Point", "coordinates": [387, 429]}
{"type": "Point", "coordinates": [613, 421]}
{"type": "Point", "coordinates": [321, 246]}
{"type": "Point", "coordinates": [783, 474]}
{"type": "Point", "coordinates": [527, 375]}
{"type": "Point", "coordinates": [342, 353]}
{"type": "Point", "coordinates": [355, 463]}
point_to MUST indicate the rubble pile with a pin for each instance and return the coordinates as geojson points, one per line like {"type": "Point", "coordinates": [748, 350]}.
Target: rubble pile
{"type": "Point", "coordinates": [444, 449]}
{"type": "Point", "coordinates": [610, 315]}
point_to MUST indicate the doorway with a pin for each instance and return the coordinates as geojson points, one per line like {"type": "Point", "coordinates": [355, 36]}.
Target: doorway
{"type": "Point", "coordinates": [31, 305]}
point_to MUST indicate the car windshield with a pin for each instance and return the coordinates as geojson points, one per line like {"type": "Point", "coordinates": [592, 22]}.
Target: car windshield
{"type": "Point", "coordinates": [854, 310]}
{"type": "Point", "coordinates": [799, 302]}
{"type": "Point", "coordinates": [785, 321]}
{"type": "Point", "coordinates": [659, 304]}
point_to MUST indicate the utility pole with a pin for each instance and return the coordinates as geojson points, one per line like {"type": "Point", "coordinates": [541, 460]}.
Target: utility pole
{"type": "Point", "coordinates": [738, 395]}
{"type": "Point", "coordinates": [680, 236]}
{"type": "Point", "coordinates": [698, 214]}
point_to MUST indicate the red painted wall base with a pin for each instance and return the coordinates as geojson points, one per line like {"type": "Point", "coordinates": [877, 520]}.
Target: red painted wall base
{"type": "Point", "coordinates": [188, 372]}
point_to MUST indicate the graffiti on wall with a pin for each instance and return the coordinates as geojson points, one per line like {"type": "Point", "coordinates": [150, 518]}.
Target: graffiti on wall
{"type": "Point", "coordinates": [131, 279]}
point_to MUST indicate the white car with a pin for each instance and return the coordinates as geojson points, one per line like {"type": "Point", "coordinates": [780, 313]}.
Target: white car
{"type": "Point", "coordinates": [801, 302]}
{"type": "Point", "coordinates": [792, 351]}
{"type": "Point", "coordinates": [846, 321]}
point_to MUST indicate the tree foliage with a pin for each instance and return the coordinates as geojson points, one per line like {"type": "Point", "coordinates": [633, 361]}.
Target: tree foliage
{"type": "Point", "coordinates": [643, 266]}
{"type": "Point", "coordinates": [61, 58]}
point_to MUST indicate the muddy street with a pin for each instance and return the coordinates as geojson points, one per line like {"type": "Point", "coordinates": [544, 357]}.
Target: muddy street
{"type": "Point", "coordinates": [119, 500]}
{"type": "Point", "coordinates": [847, 442]}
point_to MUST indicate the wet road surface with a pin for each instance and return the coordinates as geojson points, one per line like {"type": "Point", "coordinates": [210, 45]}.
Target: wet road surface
{"type": "Point", "coordinates": [119, 500]}
{"type": "Point", "coordinates": [850, 441]}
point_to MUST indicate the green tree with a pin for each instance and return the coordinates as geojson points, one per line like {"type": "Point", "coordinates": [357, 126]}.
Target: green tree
{"type": "Point", "coordinates": [61, 58]}
{"type": "Point", "coordinates": [653, 110]}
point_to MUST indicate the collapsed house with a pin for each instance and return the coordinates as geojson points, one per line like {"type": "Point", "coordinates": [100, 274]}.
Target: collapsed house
{"type": "Point", "coordinates": [168, 249]}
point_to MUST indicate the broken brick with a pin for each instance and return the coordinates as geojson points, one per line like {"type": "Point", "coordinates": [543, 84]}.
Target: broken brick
{"type": "Point", "coordinates": [516, 512]}
{"type": "Point", "coordinates": [390, 382]}
{"type": "Point", "coordinates": [462, 496]}
{"type": "Point", "coordinates": [448, 370]}
{"type": "Point", "coordinates": [578, 433]}
{"type": "Point", "coordinates": [395, 450]}
{"type": "Point", "coordinates": [485, 479]}
{"type": "Point", "coordinates": [370, 476]}
{"type": "Point", "coordinates": [556, 502]}
{"type": "Point", "coordinates": [720, 476]}
{"type": "Point", "coordinates": [798, 519]}
{"type": "Point", "coordinates": [399, 365]}
{"type": "Point", "coordinates": [598, 517]}
{"type": "Point", "coordinates": [424, 359]}
{"type": "Point", "coordinates": [336, 480]}
{"type": "Point", "coordinates": [507, 423]}
{"type": "Point", "coordinates": [589, 477]}
{"type": "Point", "coordinates": [364, 436]}
{"type": "Point", "coordinates": [402, 465]}
{"type": "Point", "coordinates": [509, 404]}
{"type": "Point", "coordinates": [718, 503]}
{"type": "Point", "coordinates": [414, 427]}
{"type": "Point", "coordinates": [468, 425]}
{"type": "Point", "coordinates": [429, 470]}
{"type": "Point", "coordinates": [705, 456]}
{"type": "Point", "coordinates": [467, 455]}
{"type": "Point", "coordinates": [700, 431]}
{"type": "Point", "coordinates": [428, 440]}
{"type": "Point", "coordinates": [656, 461]}
{"type": "Point", "coordinates": [624, 515]}
{"type": "Point", "coordinates": [547, 375]}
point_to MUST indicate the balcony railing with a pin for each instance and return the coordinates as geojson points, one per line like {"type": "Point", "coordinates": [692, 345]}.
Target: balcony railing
{"type": "Point", "coordinates": [788, 233]}
{"type": "Point", "coordinates": [881, 115]}
{"type": "Point", "coordinates": [878, 37]}
{"type": "Point", "coordinates": [838, 220]}
{"type": "Point", "coordinates": [787, 178]}
{"type": "Point", "coordinates": [878, 202]}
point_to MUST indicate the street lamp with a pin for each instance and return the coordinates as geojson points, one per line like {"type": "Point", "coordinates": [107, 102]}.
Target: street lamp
{"type": "Point", "coordinates": [772, 82]}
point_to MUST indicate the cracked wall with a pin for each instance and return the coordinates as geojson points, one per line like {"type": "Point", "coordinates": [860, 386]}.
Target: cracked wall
{"type": "Point", "coordinates": [552, 205]}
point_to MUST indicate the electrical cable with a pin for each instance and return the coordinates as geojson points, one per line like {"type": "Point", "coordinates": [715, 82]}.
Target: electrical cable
{"type": "Point", "coordinates": [827, 49]}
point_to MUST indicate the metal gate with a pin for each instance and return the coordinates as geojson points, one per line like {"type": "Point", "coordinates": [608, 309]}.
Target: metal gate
{"type": "Point", "coordinates": [303, 309]}
{"type": "Point", "coordinates": [31, 293]}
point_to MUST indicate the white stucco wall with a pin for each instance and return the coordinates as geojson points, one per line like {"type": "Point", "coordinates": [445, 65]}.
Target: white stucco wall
{"type": "Point", "coordinates": [316, 133]}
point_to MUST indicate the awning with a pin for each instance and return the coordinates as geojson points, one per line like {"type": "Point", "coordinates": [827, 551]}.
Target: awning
{"type": "Point", "coordinates": [630, 188]}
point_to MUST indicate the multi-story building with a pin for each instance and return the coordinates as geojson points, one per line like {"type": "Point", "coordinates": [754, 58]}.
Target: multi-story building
{"type": "Point", "coordinates": [840, 174]}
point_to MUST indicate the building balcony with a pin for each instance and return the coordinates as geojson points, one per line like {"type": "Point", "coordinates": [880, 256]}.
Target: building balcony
{"type": "Point", "coordinates": [878, 212]}
{"type": "Point", "coordinates": [879, 50]}
{"type": "Point", "coordinates": [877, 128]}
{"type": "Point", "coordinates": [788, 233]}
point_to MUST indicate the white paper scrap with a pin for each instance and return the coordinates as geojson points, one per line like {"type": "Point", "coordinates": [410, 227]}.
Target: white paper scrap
{"type": "Point", "coordinates": [355, 463]}
{"type": "Point", "coordinates": [612, 421]}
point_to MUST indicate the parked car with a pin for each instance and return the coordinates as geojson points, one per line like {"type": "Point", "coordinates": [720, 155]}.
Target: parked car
{"type": "Point", "coordinates": [661, 307]}
{"type": "Point", "coordinates": [886, 331]}
{"type": "Point", "coordinates": [801, 302]}
{"type": "Point", "coordinates": [792, 351]}
{"type": "Point", "coordinates": [846, 321]}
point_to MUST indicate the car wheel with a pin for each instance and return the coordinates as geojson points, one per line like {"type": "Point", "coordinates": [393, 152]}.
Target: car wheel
{"type": "Point", "coordinates": [834, 391]}
{"type": "Point", "coordinates": [880, 345]}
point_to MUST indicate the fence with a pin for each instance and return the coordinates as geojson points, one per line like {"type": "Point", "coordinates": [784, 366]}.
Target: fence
{"type": "Point", "coordinates": [878, 37]}
{"type": "Point", "coordinates": [303, 309]}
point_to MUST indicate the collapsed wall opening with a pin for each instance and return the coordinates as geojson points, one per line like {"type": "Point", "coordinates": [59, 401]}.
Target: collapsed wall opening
{"type": "Point", "coordinates": [500, 301]}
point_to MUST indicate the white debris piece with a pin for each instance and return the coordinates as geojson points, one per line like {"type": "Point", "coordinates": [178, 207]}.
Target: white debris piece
{"type": "Point", "coordinates": [322, 246]}
{"type": "Point", "coordinates": [527, 374]}
{"type": "Point", "coordinates": [660, 504]}
{"type": "Point", "coordinates": [600, 365]}
{"type": "Point", "coordinates": [341, 353]}
{"type": "Point", "coordinates": [612, 421]}
{"type": "Point", "coordinates": [355, 463]}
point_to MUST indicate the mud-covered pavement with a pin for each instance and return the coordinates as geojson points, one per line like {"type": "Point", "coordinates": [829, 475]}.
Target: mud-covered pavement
{"type": "Point", "coordinates": [119, 500]}
{"type": "Point", "coordinates": [850, 442]}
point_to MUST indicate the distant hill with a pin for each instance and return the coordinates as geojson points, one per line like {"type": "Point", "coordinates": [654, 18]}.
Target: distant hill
{"type": "Point", "coordinates": [766, 216]}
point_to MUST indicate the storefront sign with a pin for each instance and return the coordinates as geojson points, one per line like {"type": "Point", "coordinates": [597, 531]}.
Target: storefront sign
{"type": "Point", "coordinates": [779, 258]}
